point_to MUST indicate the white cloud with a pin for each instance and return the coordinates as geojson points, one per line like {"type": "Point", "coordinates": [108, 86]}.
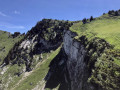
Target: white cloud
{"type": "Point", "coordinates": [2, 14]}
{"type": "Point", "coordinates": [16, 12]}
{"type": "Point", "coordinates": [8, 25]}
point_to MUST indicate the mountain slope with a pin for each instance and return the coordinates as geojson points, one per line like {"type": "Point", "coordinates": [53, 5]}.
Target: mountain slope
{"type": "Point", "coordinates": [39, 42]}
{"type": "Point", "coordinates": [101, 40]}
{"type": "Point", "coordinates": [104, 27]}
{"type": "Point", "coordinates": [92, 57]}
{"type": "Point", "coordinates": [65, 55]}
{"type": "Point", "coordinates": [37, 75]}
{"type": "Point", "coordinates": [7, 42]}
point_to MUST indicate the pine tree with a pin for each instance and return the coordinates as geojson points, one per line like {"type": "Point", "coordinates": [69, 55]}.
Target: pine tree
{"type": "Point", "coordinates": [110, 12]}
{"type": "Point", "coordinates": [84, 20]}
{"type": "Point", "coordinates": [103, 13]}
{"type": "Point", "coordinates": [116, 13]}
{"type": "Point", "coordinates": [91, 18]}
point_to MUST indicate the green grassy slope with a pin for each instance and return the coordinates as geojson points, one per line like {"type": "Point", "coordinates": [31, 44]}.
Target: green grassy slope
{"type": "Point", "coordinates": [106, 71]}
{"type": "Point", "coordinates": [104, 60]}
{"type": "Point", "coordinates": [6, 43]}
{"type": "Point", "coordinates": [104, 27]}
{"type": "Point", "coordinates": [37, 75]}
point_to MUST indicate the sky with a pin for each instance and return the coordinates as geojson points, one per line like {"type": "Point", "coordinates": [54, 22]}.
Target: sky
{"type": "Point", "coordinates": [22, 15]}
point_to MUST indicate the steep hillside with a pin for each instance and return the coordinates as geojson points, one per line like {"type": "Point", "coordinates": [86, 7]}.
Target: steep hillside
{"type": "Point", "coordinates": [101, 40]}
{"type": "Point", "coordinates": [65, 55]}
{"type": "Point", "coordinates": [105, 27]}
{"type": "Point", "coordinates": [91, 59]}
{"type": "Point", "coordinates": [7, 42]}
{"type": "Point", "coordinates": [30, 52]}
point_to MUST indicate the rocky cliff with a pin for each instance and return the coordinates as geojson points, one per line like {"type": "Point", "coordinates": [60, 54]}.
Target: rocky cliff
{"type": "Point", "coordinates": [82, 63]}
{"type": "Point", "coordinates": [69, 66]}
{"type": "Point", "coordinates": [37, 44]}
{"type": "Point", "coordinates": [44, 37]}
{"type": "Point", "coordinates": [77, 68]}
{"type": "Point", "coordinates": [79, 63]}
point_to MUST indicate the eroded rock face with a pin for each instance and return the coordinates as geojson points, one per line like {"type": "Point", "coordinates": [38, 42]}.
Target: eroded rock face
{"type": "Point", "coordinates": [76, 65]}
{"type": "Point", "coordinates": [44, 37]}
{"type": "Point", "coordinates": [74, 70]}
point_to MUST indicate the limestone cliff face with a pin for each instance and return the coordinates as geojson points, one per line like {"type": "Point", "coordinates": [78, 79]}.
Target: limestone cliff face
{"type": "Point", "coordinates": [25, 51]}
{"type": "Point", "coordinates": [76, 66]}
{"type": "Point", "coordinates": [74, 69]}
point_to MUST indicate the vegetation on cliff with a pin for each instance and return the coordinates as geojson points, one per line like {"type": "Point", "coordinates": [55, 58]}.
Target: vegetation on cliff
{"type": "Point", "coordinates": [31, 51]}
{"type": "Point", "coordinates": [7, 41]}
{"type": "Point", "coordinates": [104, 27]}
{"type": "Point", "coordinates": [101, 39]}
{"type": "Point", "coordinates": [27, 66]}
{"type": "Point", "coordinates": [50, 29]}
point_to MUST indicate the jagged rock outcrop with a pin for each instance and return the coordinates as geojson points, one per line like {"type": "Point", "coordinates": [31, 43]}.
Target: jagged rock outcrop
{"type": "Point", "coordinates": [44, 37]}
{"type": "Point", "coordinates": [87, 65]}
{"type": "Point", "coordinates": [81, 64]}
{"type": "Point", "coordinates": [41, 40]}
{"type": "Point", "coordinates": [73, 73]}
{"type": "Point", "coordinates": [76, 67]}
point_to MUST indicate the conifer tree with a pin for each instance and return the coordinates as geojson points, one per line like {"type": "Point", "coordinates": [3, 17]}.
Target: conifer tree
{"type": "Point", "coordinates": [84, 20]}
{"type": "Point", "coordinates": [91, 18]}
{"type": "Point", "coordinates": [116, 13]}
